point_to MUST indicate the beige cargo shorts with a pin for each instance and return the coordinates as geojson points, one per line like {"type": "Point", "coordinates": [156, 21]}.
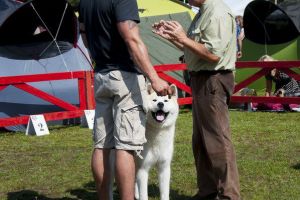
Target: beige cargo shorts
{"type": "Point", "coordinates": [120, 114]}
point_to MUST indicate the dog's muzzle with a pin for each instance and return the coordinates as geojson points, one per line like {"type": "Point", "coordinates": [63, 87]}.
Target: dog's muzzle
{"type": "Point", "coordinates": [160, 116]}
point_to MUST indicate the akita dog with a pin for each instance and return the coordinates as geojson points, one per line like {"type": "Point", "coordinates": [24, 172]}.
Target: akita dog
{"type": "Point", "coordinates": [160, 132]}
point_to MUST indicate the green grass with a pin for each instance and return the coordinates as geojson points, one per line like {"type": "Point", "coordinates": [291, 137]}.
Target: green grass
{"type": "Point", "coordinates": [57, 166]}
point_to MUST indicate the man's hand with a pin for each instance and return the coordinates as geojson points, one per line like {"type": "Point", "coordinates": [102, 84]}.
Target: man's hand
{"type": "Point", "coordinates": [175, 31]}
{"type": "Point", "coordinates": [158, 28]}
{"type": "Point", "coordinates": [161, 87]}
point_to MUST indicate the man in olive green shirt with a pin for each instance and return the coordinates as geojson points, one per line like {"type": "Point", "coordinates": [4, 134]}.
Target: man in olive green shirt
{"type": "Point", "coordinates": [210, 53]}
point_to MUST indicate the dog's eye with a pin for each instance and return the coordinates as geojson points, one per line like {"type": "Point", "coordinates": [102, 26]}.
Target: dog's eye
{"type": "Point", "coordinates": [165, 100]}
{"type": "Point", "coordinates": [154, 100]}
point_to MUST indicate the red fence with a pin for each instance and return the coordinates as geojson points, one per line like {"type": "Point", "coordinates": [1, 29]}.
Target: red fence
{"type": "Point", "coordinates": [85, 93]}
{"type": "Point", "coordinates": [284, 66]}
{"type": "Point", "coordinates": [85, 88]}
{"type": "Point", "coordinates": [264, 67]}
{"type": "Point", "coordinates": [161, 69]}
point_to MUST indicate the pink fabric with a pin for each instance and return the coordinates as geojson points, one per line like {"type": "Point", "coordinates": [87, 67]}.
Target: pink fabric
{"type": "Point", "coordinates": [294, 106]}
{"type": "Point", "coordinates": [273, 106]}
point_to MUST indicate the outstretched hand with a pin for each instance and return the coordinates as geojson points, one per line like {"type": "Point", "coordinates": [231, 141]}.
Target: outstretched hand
{"type": "Point", "coordinates": [170, 30]}
{"type": "Point", "coordinates": [159, 29]}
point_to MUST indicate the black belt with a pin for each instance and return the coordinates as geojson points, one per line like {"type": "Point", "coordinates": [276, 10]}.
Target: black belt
{"type": "Point", "coordinates": [209, 72]}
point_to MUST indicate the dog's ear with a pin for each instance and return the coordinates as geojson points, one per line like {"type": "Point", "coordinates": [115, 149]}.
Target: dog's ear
{"type": "Point", "coordinates": [174, 91]}
{"type": "Point", "coordinates": [149, 88]}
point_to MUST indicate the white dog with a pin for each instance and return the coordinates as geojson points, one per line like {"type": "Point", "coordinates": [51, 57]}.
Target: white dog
{"type": "Point", "coordinates": [160, 132]}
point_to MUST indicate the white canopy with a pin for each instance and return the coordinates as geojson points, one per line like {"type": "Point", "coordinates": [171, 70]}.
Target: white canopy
{"type": "Point", "coordinates": [237, 6]}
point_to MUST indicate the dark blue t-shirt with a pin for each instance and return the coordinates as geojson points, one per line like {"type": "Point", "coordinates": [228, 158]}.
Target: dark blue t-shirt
{"type": "Point", "coordinates": [106, 45]}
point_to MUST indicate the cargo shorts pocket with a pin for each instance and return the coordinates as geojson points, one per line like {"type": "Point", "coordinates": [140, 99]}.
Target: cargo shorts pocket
{"type": "Point", "coordinates": [132, 127]}
{"type": "Point", "coordinates": [119, 75]}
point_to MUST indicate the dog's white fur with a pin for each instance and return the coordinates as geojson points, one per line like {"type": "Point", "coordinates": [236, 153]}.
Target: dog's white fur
{"type": "Point", "coordinates": [159, 147]}
{"type": "Point", "coordinates": [160, 132]}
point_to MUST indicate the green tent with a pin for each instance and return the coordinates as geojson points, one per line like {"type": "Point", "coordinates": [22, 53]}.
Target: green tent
{"type": "Point", "coordinates": [160, 50]}
{"type": "Point", "coordinates": [270, 29]}
{"type": "Point", "coordinates": [253, 51]}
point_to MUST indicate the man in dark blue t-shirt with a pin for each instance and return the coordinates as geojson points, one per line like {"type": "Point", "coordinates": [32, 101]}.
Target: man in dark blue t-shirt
{"type": "Point", "coordinates": [112, 37]}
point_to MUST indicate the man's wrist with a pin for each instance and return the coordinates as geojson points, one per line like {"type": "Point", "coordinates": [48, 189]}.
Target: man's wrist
{"type": "Point", "coordinates": [153, 76]}
{"type": "Point", "coordinates": [153, 79]}
{"type": "Point", "coordinates": [184, 41]}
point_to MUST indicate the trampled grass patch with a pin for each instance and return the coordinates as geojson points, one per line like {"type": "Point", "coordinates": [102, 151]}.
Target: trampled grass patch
{"type": "Point", "coordinates": [57, 166]}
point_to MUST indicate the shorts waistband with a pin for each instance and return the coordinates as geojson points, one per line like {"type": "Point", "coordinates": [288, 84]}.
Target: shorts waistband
{"type": "Point", "coordinates": [208, 72]}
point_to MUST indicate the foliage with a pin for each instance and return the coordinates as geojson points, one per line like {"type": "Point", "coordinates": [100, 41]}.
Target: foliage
{"type": "Point", "coordinates": [57, 166]}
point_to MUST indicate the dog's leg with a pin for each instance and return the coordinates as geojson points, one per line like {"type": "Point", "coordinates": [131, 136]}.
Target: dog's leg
{"type": "Point", "coordinates": [164, 174]}
{"type": "Point", "coordinates": [142, 183]}
{"type": "Point", "coordinates": [136, 190]}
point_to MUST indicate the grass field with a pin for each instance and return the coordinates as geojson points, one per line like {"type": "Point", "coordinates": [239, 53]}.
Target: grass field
{"type": "Point", "coordinates": [57, 166]}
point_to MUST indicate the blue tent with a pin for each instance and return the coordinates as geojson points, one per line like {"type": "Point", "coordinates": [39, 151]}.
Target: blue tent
{"type": "Point", "coordinates": [39, 37]}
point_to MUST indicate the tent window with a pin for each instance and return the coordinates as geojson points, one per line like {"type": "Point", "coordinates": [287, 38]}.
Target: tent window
{"type": "Point", "coordinates": [39, 26]}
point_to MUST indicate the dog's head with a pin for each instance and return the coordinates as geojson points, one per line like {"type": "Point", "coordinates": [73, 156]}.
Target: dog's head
{"type": "Point", "coordinates": [162, 110]}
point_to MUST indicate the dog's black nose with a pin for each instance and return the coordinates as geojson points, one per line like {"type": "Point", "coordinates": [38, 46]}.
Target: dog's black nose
{"type": "Point", "coordinates": [160, 105]}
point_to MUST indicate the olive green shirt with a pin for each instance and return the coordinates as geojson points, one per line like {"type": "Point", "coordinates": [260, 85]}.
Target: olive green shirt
{"type": "Point", "coordinates": [216, 29]}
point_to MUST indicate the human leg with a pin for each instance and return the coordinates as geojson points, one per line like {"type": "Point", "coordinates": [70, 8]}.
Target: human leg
{"type": "Point", "coordinates": [125, 174]}
{"type": "Point", "coordinates": [102, 170]}
{"type": "Point", "coordinates": [103, 139]}
{"type": "Point", "coordinates": [205, 178]}
{"type": "Point", "coordinates": [229, 183]}
{"type": "Point", "coordinates": [216, 164]}
{"type": "Point", "coordinates": [129, 132]}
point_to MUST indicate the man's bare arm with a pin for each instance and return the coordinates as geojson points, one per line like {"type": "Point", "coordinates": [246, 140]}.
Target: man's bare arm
{"type": "Point", "coordinates": [130, 33]}
{"type": "Point", "coordinates": [268, 88]}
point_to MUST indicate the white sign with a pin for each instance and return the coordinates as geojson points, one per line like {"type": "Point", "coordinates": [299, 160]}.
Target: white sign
{"type": "Point", "coordinates": [37, 126]}
{"type": "Point", "coordinates": [88, 119]}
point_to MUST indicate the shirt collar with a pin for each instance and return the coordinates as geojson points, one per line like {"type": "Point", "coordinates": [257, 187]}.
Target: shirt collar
{"type": "Point", "coordinates": [207, 4]}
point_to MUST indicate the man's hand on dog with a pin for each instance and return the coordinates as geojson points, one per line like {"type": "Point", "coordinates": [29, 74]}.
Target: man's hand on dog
{"type": "Point", "coordinates": [161, 87]}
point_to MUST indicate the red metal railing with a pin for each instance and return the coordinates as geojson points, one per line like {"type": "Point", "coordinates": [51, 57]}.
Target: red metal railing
{"type": "Point", "coordinates": [264, 68]}
{"type": "Point", "coordinates": [86, 96]}
{"type": "Point", "coordinates": [284, 66]}
{"type": "Point", "coordinates": [161, 69]}
{"type": "Point", "coordinates": [85, 92]}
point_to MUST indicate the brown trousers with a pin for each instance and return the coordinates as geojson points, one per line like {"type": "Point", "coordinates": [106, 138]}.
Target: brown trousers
{"type": "Point", "coordinates": [217, 174]}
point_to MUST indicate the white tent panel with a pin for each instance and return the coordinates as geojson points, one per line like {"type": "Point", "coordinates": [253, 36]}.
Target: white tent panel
{"type": "Point", "coordinates": [237, 6]}
{"type": "Point", "coordinates": [15, 102]}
